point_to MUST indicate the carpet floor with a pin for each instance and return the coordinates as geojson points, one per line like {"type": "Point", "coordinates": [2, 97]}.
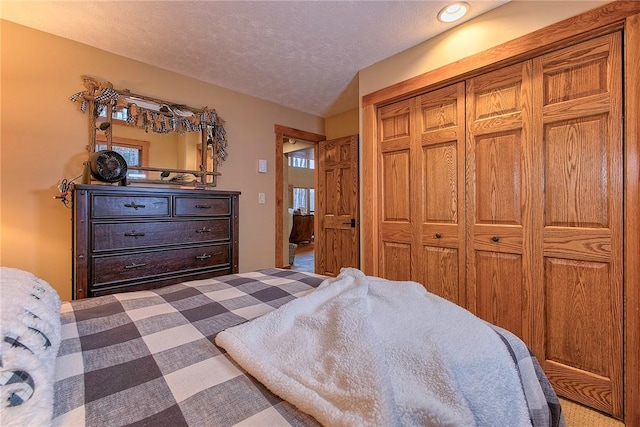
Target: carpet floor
{"type": "Point", "coordinates": [576, 415]}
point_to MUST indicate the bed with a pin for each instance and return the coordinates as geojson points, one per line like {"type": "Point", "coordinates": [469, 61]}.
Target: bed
{"type": "Point", "coordinates": [255, 348]}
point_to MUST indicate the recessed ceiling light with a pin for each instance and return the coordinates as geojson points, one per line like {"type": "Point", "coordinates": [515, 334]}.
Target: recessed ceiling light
{"type": "Point", "coordinates": [453, 12]}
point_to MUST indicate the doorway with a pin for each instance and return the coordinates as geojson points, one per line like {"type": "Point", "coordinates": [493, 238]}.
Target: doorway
{"type": "Point", "coordinates": [336, 221]}
{"type": "Point", "coordinates": [282, 134]}
{"type": "Point", "coordinates": [300, 176]}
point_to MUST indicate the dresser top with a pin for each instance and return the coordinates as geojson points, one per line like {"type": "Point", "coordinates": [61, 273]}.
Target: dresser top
{"type": "Point", "coordinates": [129, 189]}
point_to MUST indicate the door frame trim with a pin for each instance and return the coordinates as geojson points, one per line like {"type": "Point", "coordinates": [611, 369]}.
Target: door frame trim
{"type": "Point", "coordinates": [282, 132]}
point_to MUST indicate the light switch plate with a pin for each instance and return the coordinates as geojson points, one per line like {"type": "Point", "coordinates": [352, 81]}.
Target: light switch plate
{"type": "Point", "coordinates": [262, 166]}
{"type": "Point", "coordinates": [261, 198]}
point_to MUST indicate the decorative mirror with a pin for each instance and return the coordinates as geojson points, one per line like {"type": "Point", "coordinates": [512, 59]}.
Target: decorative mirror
{"type": "Point", "coordinates": [162, 142]}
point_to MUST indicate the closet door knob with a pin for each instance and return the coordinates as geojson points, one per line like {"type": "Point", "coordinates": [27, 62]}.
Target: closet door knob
{"type": "Point", "coordinates": [438, 235]}
{"type": "Point", "coordinates": [495, 238]}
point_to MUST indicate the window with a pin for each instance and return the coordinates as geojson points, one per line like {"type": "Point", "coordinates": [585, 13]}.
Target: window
{"type": "Point", "coordinates": [132, 155]}
{"type": "Point", "coordinates": [135, 152]}
{"type": "Point", "coordinates": [299, 162]}
{"type": "Point", "coordinates": [304, 198]}
{"type": "Point", "coordinates": [116, 115]}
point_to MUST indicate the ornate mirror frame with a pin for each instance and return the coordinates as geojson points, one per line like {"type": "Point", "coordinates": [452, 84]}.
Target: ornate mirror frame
{"type": "Point", "coordinates": [158, 116]}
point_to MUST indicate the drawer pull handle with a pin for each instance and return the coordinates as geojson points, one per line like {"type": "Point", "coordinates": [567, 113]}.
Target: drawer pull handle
{"type": "Point", "coordinates": [438, 235]}
{"type": "Point", "coordinates": [134, 265]}
{"type": "Point", "coordinates": [495, 238]}
{"type": "Point", "coordinates": [204, 230]}
{"type": "Point", "coordinates": [203, 257]}
{"type": "Point", "coordinates": [134, 205]}
{"type": "Point", "coordinates": [135, 234]}
{"type": "Point", "coordinates": [203, 206]}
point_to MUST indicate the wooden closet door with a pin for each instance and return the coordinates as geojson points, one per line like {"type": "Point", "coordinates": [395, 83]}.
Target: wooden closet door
{"type": "Point", "coordinates": [499, 160]}
{"type": "Point", "coordinates": [439, 199]}
{"type": "Point", "coordinates": [422, 201]}
{"type": "Point", "coordinates": [395, 124]}
{"type": "Point", "coordinates": [578, 221]}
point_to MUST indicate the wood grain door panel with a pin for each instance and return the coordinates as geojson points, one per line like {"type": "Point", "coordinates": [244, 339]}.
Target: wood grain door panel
{"type": "Point", "coordinates": [422, 185]}
{"type": "Point", "coordinates": [498, 177]}
{"type": "Point", "coordinates": [500, 298]}
{"type": "Point", "coordinates": [586, 285]}
{"type": "Point", "coordinates": [579, 221]}
{"type": "Point", "coordinates": [441, 271]}
{"type": "Point", "coordinates": [340, 249]}
{"type": "Point", "coordinates": [439, 193]}
{"type": "Point", "coordinates": [396, 258]}
{"type": "Point", "coordinates": [395, 122]}
{"type": "Point", "coordinates": [580, 345]}
{"type": "Point", "coordinates": [576, 183]}
{"type": "Point", "coordinates": [396, 186]}
{"type": "Point", "coordinates": [337, 242]}
{"type": "Point", "coordinates": [440, 170]}
{"type": "Point", "coordinates": [499, 158]}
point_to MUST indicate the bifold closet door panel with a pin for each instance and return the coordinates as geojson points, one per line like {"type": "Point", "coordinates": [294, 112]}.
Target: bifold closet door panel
{"type": "Point", "coordinates": [438, 201]}
{"type": "Point", "coordinates": [578, 220]}
{"type": "Point", "coordinates": [422, 191]}
{"type": "Point", "coordinates": [498, 173]}
{"type": "Point", "coordinates": [395, 124]}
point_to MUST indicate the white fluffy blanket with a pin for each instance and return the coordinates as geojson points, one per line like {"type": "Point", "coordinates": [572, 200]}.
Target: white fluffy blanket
{"type": "Point", "coordinates": [29, 342]}
{"type": "Point", "coordinates": [366, 351]}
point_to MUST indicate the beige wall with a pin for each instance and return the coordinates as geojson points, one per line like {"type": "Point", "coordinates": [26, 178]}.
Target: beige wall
{"type": "Point", "coordinates": [300, 177]}
{"type": "Point", "coordinates": [43, 139]}
{"type": "Point", "coordinates": [507, 22]}
{"type": "Point", "coordinates": [171, 150]}
{"type": "Point", "coordinates": [345, 124]}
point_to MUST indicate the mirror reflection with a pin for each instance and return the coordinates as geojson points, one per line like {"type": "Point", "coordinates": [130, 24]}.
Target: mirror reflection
{"type": "Point", "coordinates": [170, 151]}
{"type": "Point", "coordinates": [160, 141]}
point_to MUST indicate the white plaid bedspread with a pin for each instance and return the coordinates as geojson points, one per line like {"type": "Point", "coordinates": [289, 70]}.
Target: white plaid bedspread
{"type": "Point", "coordinates": [148, 358]}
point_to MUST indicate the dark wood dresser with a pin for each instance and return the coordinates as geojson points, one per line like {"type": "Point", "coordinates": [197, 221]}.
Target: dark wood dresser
{"type": "Point", "coordinates": [134, 238]}
{"type": "Point", "coordinates": [302, 229]}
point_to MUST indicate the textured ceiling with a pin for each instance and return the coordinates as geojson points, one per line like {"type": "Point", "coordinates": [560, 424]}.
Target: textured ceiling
{"type": "Point", "coordinates": [303, 55]}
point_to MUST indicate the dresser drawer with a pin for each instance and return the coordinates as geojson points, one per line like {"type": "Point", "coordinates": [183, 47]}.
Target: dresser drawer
{"type": "Point", "coordinates": [132, 238]}
{"type": "Point", "coordinates": [110, 269]}
{"type": "Point", "coordinates": [145, 234]}
{"type": "Point", "coordinates": [105, 206]}
{"type": "Point", "coordinates": [202, 206]}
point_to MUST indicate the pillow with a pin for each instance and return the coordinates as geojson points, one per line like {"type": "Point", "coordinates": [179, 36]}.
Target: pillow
{"type": "Point", "coordinates": [30, 333]}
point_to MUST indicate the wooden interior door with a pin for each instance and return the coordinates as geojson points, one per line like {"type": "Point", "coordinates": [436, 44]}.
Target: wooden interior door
{"type": "Point", "coordinates": [337, 208]}
{"type": "Point", "coordinates": [499, 160]}
{"type": "Point", "coordinates": [578, 217]}
{"type": "Point", "coordinates": [438, 193]}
